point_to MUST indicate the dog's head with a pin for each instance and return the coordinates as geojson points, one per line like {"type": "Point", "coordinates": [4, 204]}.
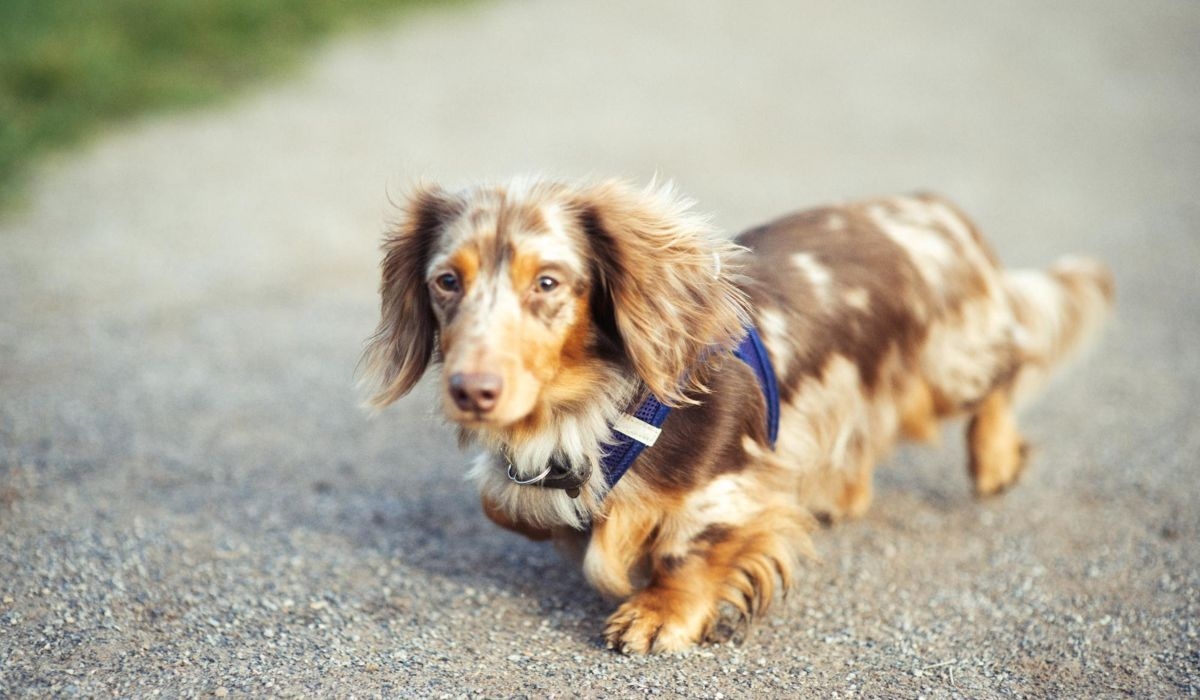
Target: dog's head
{"type": "Point", "coordinates": [532, 294]}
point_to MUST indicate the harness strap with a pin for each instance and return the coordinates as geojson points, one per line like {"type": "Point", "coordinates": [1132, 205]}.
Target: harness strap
{"type": "Point", "coordinates": [639, 430]}
{"type": "Point", "coordinates": [649, 416]}
{"type": "Point", "coordinates": [753, 352]}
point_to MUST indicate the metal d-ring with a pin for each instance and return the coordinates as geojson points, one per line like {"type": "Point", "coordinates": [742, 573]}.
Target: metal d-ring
{"type": "Point", "coordinates": [527, 482]}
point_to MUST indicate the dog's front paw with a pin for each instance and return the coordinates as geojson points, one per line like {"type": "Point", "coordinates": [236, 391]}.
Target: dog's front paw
{"type": "Point", "coordinates": [652, 623]}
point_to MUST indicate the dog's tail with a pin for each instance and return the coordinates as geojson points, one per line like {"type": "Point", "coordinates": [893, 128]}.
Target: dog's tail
{"type": "Point", "coordinates": [1058, 311]}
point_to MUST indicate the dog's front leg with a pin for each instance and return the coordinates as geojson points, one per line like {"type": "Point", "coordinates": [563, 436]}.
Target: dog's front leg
{"type": "Point", "coordinates": [737, 564]}
{"type": "Point", "coordinates": [674, 611]}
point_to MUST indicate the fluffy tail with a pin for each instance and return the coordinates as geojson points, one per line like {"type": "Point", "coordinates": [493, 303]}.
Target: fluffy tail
{"type": "Point", "coordinates": [1058, 310]}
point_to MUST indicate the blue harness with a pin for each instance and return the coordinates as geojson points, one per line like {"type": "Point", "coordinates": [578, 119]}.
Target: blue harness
{"type": "Point", "coordinates": [638, 430]}
{"type": "Point", "coordinates": [625, 451]}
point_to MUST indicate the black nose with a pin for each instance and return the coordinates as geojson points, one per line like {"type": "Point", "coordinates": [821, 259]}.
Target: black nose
{"type": "Point", "coordinates": [475, 391]}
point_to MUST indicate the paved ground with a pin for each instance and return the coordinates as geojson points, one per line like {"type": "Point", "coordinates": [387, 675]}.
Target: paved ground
{"type": "Point", "coordinates": [191, 502]}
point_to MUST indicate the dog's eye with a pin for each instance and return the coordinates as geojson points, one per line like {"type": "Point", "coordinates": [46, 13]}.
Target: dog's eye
{"type": "Point", "coordinates": [447, 282]}
{"type": "Point", "coordinates": [546, 283]}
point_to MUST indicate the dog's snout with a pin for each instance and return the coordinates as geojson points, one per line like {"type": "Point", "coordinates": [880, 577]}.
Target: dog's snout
{"type": "Point", "coordinates": [475, 391]}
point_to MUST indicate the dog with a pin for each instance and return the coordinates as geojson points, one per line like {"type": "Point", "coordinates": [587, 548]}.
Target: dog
{"type": "Point", "coordinates": [743, 389]}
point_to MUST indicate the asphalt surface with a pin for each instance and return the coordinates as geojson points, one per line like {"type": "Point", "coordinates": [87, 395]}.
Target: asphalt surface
{"type": "Point", "coordinates": [192, 503]}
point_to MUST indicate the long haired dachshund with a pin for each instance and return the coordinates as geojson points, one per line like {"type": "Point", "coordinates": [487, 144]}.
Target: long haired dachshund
{"type": "Point", "coordinates": [578, 326]}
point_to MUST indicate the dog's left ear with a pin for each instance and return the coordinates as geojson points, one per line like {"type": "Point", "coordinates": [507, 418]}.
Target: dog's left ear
{"type": "Point", "coordinates": [403, 344]}
{"type": "Point", "coordinates": [669, 280]}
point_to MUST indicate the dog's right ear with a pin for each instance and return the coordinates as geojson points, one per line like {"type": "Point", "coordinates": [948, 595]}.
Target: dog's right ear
{"type": "Point", "coordinates": [403, 344]}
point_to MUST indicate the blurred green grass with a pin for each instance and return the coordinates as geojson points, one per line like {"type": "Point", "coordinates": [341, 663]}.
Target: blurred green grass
{"type": "Point", "coordinates": [71, 67]}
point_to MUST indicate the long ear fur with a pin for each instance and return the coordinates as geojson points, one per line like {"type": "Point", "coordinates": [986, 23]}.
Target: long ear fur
{"type": "Point", "coordinates": [670, 283]}
{"type": "Point", "coordinates": [402, 347]}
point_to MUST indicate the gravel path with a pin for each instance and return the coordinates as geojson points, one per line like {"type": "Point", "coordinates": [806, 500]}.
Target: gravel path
{"type": "Point", "coordinates": [191, 502]}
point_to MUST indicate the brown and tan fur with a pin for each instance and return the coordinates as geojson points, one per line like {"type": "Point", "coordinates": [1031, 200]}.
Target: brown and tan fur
{"type": "Point", "coordinates": [552, 307]}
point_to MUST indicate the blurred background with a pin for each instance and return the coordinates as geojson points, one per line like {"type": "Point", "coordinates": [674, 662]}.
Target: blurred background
{"type": "Point", "coordinates": [70, 68]}
{"type": "Point", "coordinates": [192, 501]}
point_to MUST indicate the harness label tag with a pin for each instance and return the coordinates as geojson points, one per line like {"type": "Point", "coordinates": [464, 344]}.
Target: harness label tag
{"type": "Point", "coordinates": [637, 429]}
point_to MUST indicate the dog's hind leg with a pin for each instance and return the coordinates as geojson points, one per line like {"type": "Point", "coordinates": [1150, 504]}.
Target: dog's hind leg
{"type": "Point", "coordinates": [996, 450]}
{"type": "Point", "coordinates": [1056, 312]}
